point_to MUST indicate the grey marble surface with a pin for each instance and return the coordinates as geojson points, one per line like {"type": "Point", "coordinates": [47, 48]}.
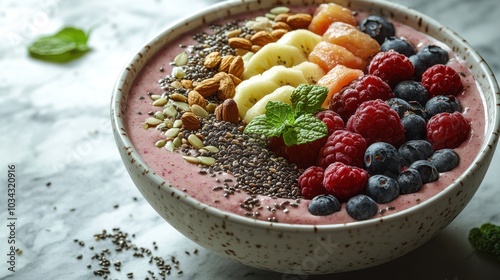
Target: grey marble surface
{"type": "Point", "coordinates": [71, 183]}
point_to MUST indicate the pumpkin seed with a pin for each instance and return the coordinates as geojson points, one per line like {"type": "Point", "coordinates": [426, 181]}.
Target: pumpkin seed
{"type": "Point", "coordinates": [160, 143]}
{"type": "Point", "coordinates": [195, 141]}
{"type": "Point", "coordinates": [206, 160]}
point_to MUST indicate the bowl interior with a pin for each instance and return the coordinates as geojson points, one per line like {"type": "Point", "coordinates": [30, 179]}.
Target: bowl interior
{"type": "Point", "coordinates": [482, 73]}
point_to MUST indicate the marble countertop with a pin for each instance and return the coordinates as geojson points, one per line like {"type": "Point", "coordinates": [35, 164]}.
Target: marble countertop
{"type": "Point", "coordinates": [72, 185]}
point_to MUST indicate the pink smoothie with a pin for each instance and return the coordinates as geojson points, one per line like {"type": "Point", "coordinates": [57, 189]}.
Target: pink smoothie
{"type": "Point", "coordinates": [187, 177]}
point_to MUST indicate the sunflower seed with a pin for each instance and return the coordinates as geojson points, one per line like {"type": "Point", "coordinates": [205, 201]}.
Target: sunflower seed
{"type": "Point", "coordinates": [195, 141]}
{"type": "Point", "coordinates": [177, 123]}
{"type": "Point", "coordinates": [199, 111]}
{"type": "Point", "coordinates": [206, 160]}
{"type": "Point", "coordinates": [159, 115]}
{"type": "Point", "coordinates": [172, 132]}
{"type": "Point", "coordinates": [279, 10]}
{"type": "Point", "coordinates": [211, 149]}
{"type": "Point", "coordinates": [191, 159]}
{"type": "Point", "coordinates": [178, 97]}
{"type": "Point", "coordinates": [169, 146]}
{"type": "Point", "coordinates": [183, 106]}
{"type": "Point", "coordinates": [153, 121]}
{"type": "Point", "coordinates": [181, 59]}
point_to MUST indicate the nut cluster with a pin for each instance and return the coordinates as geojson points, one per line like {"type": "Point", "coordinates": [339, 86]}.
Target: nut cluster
{"type": "Point", "coordinates": [268, 30]}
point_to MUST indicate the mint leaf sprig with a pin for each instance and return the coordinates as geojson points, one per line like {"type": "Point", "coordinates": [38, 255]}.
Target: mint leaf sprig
{"type": "Point", "coordinates": [68, 44]}
{"type": "Point", "coordinates": [296, 123]}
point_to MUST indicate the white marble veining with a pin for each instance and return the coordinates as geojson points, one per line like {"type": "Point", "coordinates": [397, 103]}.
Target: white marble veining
{"type": "Point", "coordinates": [71, 183]}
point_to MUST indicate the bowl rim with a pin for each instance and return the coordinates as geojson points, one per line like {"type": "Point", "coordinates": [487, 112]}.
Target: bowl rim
{"type": "Point", "coordinates": [122, 139]}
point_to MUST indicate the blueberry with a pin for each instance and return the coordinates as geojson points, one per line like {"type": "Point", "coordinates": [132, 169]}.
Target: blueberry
{"type": "Point", "coordinates": [409, 181]}
{"type": "Point", "coordinates": [399, 105]}
{"type": "Point", "coordinates": [400, 45]}
{"type": "Point", "coordinates": [377, 27]}
{"type": "Point", "coordinates": [445, 159]}
{"type": "Point", "coordinates": [323, 205]}
{"type": "Point", "coordinates": [361, 207]}
{"type": "Point", "coordinates": [382, 158]}
{"type": "Point", "coordinates": [382, 188]}
{"type": "Point", "coordinates": [442, 103]}
{"type": "Point", "coordinates": [428, 172]}
{"type": "Point", "coordinates": [426, 57]}
{"type": "Point", "coordinates": [415, 127]}
{"type": "Point", "coordinates": [411, 91]}
{"type": "Point", "coordinates": [414, 150]}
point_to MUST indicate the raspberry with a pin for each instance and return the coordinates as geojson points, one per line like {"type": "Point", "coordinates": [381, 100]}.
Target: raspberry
{"type": "Point", "coordinates": [303, 155]}
{"type": "Point", "coordinates": [392, 67]}
{"type": "Point", "coordinates": [376, 121]}
{"type": "Point", "coordinates": [364, 88]}
{"type": "Point", "coordinates": [344, 181]}
{"type": "Point", "coordinates": [441, 80]}
{"type": "Point", "coordinates": [343, 146]}
{"type": "Point", "coordinates": [311, 182]}
{"type": "Point", "coordinates": [447, 130]}
{"type": "Point", "coordinates": [332, 120]}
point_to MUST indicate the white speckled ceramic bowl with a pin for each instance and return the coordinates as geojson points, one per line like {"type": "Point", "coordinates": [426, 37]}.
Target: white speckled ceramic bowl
{"type": "Point", "coordinates": [306, 249]}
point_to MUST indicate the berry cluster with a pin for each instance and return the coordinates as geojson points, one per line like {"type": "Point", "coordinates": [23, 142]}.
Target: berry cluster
{"type": "Point", "coordinates": [389, 131]}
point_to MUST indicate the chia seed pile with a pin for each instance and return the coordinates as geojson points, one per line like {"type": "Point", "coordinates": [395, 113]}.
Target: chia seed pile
{"type": "Point", "coordinates": [258, 171]}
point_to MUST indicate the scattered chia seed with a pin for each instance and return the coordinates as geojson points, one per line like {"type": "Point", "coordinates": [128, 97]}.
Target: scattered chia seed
{"type": "Point", "coordinates": [121, 243]}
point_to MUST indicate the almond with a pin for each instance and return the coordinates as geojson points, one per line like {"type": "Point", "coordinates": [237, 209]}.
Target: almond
{"type": "Point", "coordinates": [227, 111]}
{"type": "Point", "coordinates": [256, 48]}
{"type": "Point", "coordinates": [262, 38]}
{"type": "Point", "coordinates": [237, 66]}
{"type": "Point", "coordinates": [212, 60]}
{"type": "Point", "coordinates": [187, 84]}
{"type": "Point", "coordinates": [195, 97]}
{"type": "Point", "coordinates": [225, 62]}
{"type": "Point", "coordinates": [207, 87]}
{"type": "Point", "coordinates": [226, 88]}
{"type": "Point", "coordinates": [281, 17]}
{"type": "Point", "coordinates": [235, 79]}
{"type": "Point", "coordinates": [239, 43]}
{"type": "Point", "coordinates": [281, 25]}
{"type": "Point", "coordinates": [190, 121]}
{"type": "Point", "coordinates": [278, 33]}
{"type": "Point", "coordinates": [300, 20]}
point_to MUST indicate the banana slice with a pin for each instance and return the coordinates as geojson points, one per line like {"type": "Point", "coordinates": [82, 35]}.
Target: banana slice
{"type": "Point", "coordinates": [252, 90]}
{"type": "Point", "coordinates": [312, 71]}
{"type": "Point", "coordinates": [302, 39]}
{"type": "Point", "coordinates": [280, 94]}
{"type": "Point", "coordinates": [271, 55]}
